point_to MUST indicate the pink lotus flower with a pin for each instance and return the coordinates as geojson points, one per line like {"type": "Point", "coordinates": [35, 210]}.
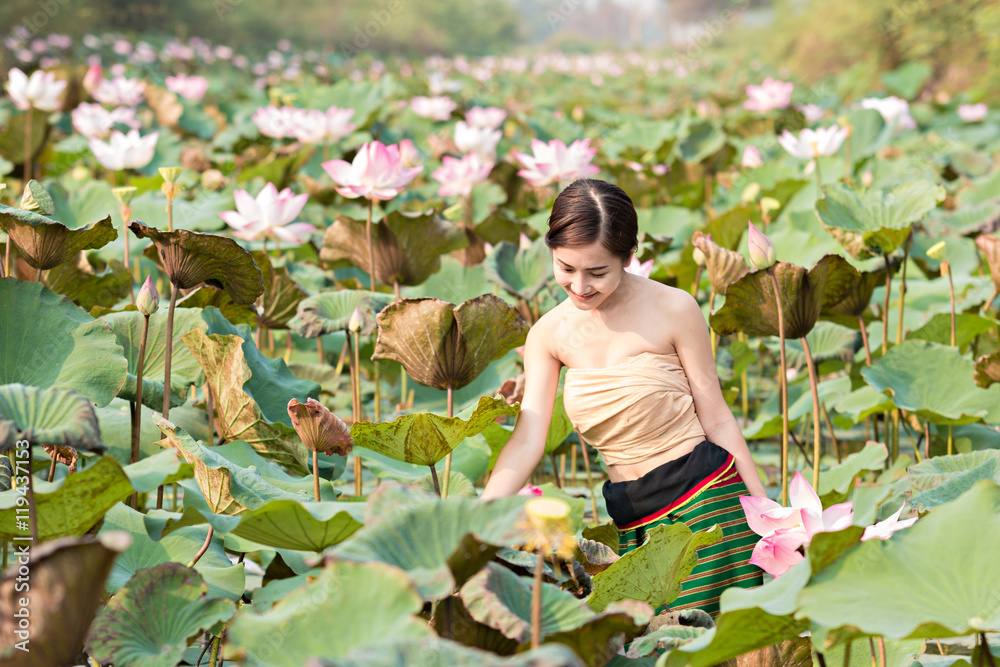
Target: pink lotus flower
{"type": "Point", "coordinates": [751, 158]}
{"type": "Point", "coordinates": [778, 552]}
{"type": "Point", "coordinates": [815, 519]}
{"type": "Point", "coordinates": [554, 161]}
{"type": "Point", "coordinates": [892, 109]}
{"type": "Point", "coordinates": [488, 118]}
{"type": "Point", "coordinates": [530, 490]}
{"type": "Point", "coordinates": [92, 79]}
{"type": "Point", "coordinates": [94, 121]}
{"type": "Point", "coordinates": [640, 269]}
{"type": "Point", "coordinates": [972, 113]}
{"type": "Point", "coordinates": [39, 91]}
{"type": "Point", "coordinates": [765, 516]}
{"type": "Point", "coordinates": [771, 94]}
{"type": "Point", "coordinates": [472, 139]}
{"type": "Point", "coordinates": [191, 88]}
{"type": "Point", "coordinates": [125, 151]}
{"type": "Point", "coordinates": [377, 172]}
{"type": "Point", "coordinates": [270, 215]}
{"type": "Point", "coordinates": [762, 254]}
{"type": "Point", "coordinates": [409, 153]}
{"type": "Point", "coordinates": [813, 113]}
{"type": "Point", "coordinates": [435, 108]}
{"type": "Point", "coordinates": [458, 176]}
{"type": "Point", "coordinates": [120, 92]}
{"type": "Point", "coordinates": [883, 530]}
{"type": "Point", "coordinates": [813, 143]}
{"type": "Point", "coordinates": [315, 126]}
{"type": "Point", "coordinates": [275, 122]}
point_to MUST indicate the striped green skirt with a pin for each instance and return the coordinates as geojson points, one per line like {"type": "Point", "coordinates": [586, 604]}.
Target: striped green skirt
{"type": "Point", "coordinates": [700, 489]}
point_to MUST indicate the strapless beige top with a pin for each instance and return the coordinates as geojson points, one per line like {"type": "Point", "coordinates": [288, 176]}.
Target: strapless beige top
{"type": "Point", "coordinates": [631, 411]}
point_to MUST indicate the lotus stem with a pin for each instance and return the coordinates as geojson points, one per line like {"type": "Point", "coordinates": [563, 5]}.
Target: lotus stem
{"type": "Point", "coordinates": [159, 497]}
{"type": "Point", "coordinates": [951, 441]}
{"type": "Point", "coordinates": [847, 161]}
{"type": "Point", "coordinates": [204, 547]}
{"type": "Point", "coordinates": [371, 246]}
{"type": "Point", "coordinates": [984, 647]}
{"type": "Point", "coordinates": [871, 645]}
{"type": "Point", "coordinates": [697, 282]}
{"type": "Point", "coordinates": [881, 651]}
{"type": "Point", "coordinates": [951, 297]}
{"type": "Point", "coordinates": [816, 408]}
{"type": "Point", "coordinates": [555, 471]}
{"type": "Point", "coordinates": [572, 465]}
{"type": "Point", "coordinates": [27, 146]}
{"type": "Point", "coordinates": [137, 403]}
{"type": "Point", "coordinates": [447, 458]}
{"type": "Point", "coordinates": [784, 390]}
{"type": "Point", "coordinates": [847, 654]}
{"type": "Point", "coordinates": [894, 449]}
{"type": "Point", "coordinates": [434, 478]}
{"type": "Point", "coordinates": [288, 346]}
{"type": "Point", "coordinates": [927, 439]}
{"type": "Point", "coordinates": [38, 279]}
{"type": "Point", "coordinates": [170, 214]}
{"type": "Point", "coordinates": [820, 659]}
{"type": "Point", "coordinates": [319, 349]}
{"type": "Point", "coordinates": [819, 181]}
{"type": "Point", "coordinates": [885, 304]}
{"type": "Point", "coordinates": [902, 296]}
{"type": "Point", "coordinates": [590, 482]}
{"type": "Point", "coordinates": [356, 406]}
{"type": "Point", "coordinates": [536, 603]}
{"type": "Point", "coordinates": [343, 355]}
{"type": "Point", "coordinates": [864, 340]}
{"type": "Point", "coordinates": [316, 475]}
{"type": "Point", "coordinates": [829, 427]}
{"type": "Point", "coordinates": [52, 468]}
{"type": "Point", "coordinates": [6, 261]}
{"type": "Point", "coordinates": [169, 350]}
{"type": "Point", "coordinates": [214, 655]}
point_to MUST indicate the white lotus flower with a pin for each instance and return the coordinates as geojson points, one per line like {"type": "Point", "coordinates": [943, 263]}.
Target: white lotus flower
{"type": "Point", "coordinates": [40, 90]}
{"type": "Point", "coordinates": [813, 143]}
{"type": "Point", "coordinates": [892, 108]}
{"type": "Point", "coordinates": [120, 91]}
{"type": "Point", "coordinates": [125, 151]}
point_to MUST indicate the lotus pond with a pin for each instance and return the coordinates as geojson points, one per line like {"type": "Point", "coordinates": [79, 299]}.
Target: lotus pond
{"type": "Point", "coordinates": [260, 333]}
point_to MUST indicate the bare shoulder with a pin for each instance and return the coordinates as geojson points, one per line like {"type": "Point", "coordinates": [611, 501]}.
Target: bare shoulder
{"type": "Point", "coordinates": [671, 300]}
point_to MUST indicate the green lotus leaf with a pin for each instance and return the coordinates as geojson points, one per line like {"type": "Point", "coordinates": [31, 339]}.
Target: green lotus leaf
{"type": "Point", "coordinates": [238, 415]}
{"type": "Point", "coordinates": [446, 653]}
{"type": "Point", "coordinates": [67, 588]}
{"type": "Point", "coordinates": [703, 139]}
{"type": "Point", "coordinates": [751, 308]}
{"type": "Point", "coordinates": [79, 353]}
{"type": "Point", "coordinates": [988, 369]}
{"type": "Point", "coordinates": [171, 598]}
{"type": "Point", "coordinates": [37, 198]}
{"type": "Point", "coordinates": [46, 243]}
{"type": "Point", "coordinates": [184, 370]}
{"type": "Point", "coordinates": [605, 533]}
{"type": "Point", "coordinates": [875, 222]}
{"type": "Point", "coordinates": [497, 597]}
{"type": "Point", "coordinates": [328, 312]}
{"type": "Point", "coordinates": [594, 556]}
{"type": "Point", "coordinates": [193, 258]}
{"type": "Point", "coordinates": [88, 287]}
{"type": "Point", "coordinates": [402, 539]}
{"type": "Point", "coordinates": [857, 299]}
{"type": "Point", "coordinates": [281, 294]}
{"type": "Point", "coordinates": [224, 579]}
{"type": "Point", "coordinates": [50, 417]}
{"type": "Point", "coordinates": [469, 459]}
{"type": "Point", "coordinates": [652, 573]}
{"type": "Point", "coordinates": [668, 637]}
{"type": "Point", "coordinates": [957, 484]}
{"type": "Point", "coordinates": [935, 382]}
{"type": "Point", "coordinates": [116, 428]}
{"type": "Point", "coordinates": [229, 488]}
{"type": "Point", "coordinates": [869, 132]}
{"type": "Point", "coordinates": [838, 480]}
{"type": "Point", "coordinates": [424, 438]}
{"type": "Point", "coordinates": [863, 402]}
{"type": "Point", "coordinates": [933, 472]}
{"type": "Point", "coordinates": [908, 79]}
{"type": "Point", "coordinates": [70, 505]}
{"type": "Point", "coordinates": [724, 266]}
{"type": "Point", "coordinates": [164, 467]}
{"type": "Point", "coordinates": [408, 248]}
{"type": "Point", "coordinates": [522, 272]}
{"type": "Point", "coordinates": [908, 594]}
{"type": "Point", "coordinates": [458, 484]}
{"type": "Point", "coordinates": [12, 138]}
{"type": "Point", "coordinates": [967, 328]}
{"type": "Point", "coordinates": [442, 345]}
{"type": "Point", "coordinates": [205, 297]}
{"type": "Point", "coordinates": [371, 601]}
{"type": "Point", "coordinates": [897, 654]}
{"type": "Point", "coordinates": [271, 383]}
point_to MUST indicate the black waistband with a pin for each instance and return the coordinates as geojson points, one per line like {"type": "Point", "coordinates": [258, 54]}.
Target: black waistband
{"type": "Point", "coordinates": [634, 499]}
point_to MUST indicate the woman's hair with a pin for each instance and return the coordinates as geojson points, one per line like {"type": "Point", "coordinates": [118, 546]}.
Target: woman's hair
{"type": "Point", "coordinates": [590, 210]}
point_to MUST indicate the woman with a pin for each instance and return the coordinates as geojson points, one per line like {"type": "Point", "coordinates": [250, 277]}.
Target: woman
{"type": "Point", "coordinates": [640, 387]}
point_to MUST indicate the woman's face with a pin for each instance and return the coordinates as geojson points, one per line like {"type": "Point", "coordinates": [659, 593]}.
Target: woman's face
{"type": "Point", "coordinates": [588, 271]}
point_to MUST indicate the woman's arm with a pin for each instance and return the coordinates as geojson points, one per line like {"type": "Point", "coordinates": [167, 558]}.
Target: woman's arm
{"type": "Point", "coordinates": [695, 351]}
{"type": "Point", "coordinates": [526, 445]}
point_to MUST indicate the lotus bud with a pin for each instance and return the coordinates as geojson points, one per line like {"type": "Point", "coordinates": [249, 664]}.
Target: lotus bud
{"type": "Point", "coordinates": [524, 243]}
{"type": "Point", "coordinates": [148, 301]}
{"type": "Point", "coordinates": [699, 257]}
{"type": "Point", "coordinates": [867, 179]}
{"type": "Point", "coordinates": [37, 198]}
{"type": "Point", "coordinates": [750, 193]}
{"type": "Point", "coordinates": [751, 158]}
{"type": "Point", "coordinates": [762, 253]}
{"type": "Point", "coordinates": [92, 79]}
{"type": "Point", "coordinates": [320, 430]}
{"type": "Point", "coordinates": [357, 321]}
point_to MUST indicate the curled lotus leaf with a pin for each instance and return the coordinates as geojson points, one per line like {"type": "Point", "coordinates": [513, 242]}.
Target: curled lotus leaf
{"type": "Point", "coordinates": [408, 248]}
{"type": "Point", "coordinates": [751, 307]}
{"type": "Point", "coordinates": [989, 244]}
{"type": "Point", "coordinates": [37, 198]}
{"type": "Point", "coordinates": [988, 369]}
{"type": "Point", "coordinates": [424, 438]}
{"type": "Point", "coordinates": [327, 312]}
{"type": "Point", "coordinates": [67, 589]}
{"type": "Point", "coordinates": [193, 258]}
{"type": "Point", "coordinates": [45, 243]}
{"type": "Point", "coordinates": [857, 299]}
{"type": "Point", "coordinates": [172, 599]}
{"type": "Point", "coordinates": [523, 272]}
{"type": "Point", "coordinates": [875, 222]}
{"type": "Point", "coordinates": [87, 286]}
{"type": "Point", "coordinates": [724, 266]}
{"type": "Point", "coordinates": [205, 297]}
{"type": "Point", "coordinates": [50, 416]}
{"type": "Point", "coordinates": [281, 294]}
{"type": "Point", "coordinates": [594, 556]}
{"type": "Point", "coordinates": [442, 345]}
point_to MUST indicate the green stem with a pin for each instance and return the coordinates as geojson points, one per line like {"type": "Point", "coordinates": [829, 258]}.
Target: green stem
{"type": "Point", "coordinates": [816, 407]}
{"type": "Point", "coordinates": [137, 409]}
{"type": "Point", "coordinates": [168, 350]}
{"type": "Point", "coordinates": [371, 249]}
{"type": "Point", "coordinates": [590, 482]}
{"type": "Point", "coordinates": [447, 458]}
{"type": "Point", "coordinates": [784, 390]}
{"type": "Point", "coordinates": [885, 304]}
{"type": "Point", "coordinates": [951, 297]}
{"type": "Point", "coordinates": [819, 181]}
{"type": "Point", "coordinates": [536, 603]}
{"type": "Point", "coordinates": [204, 547]}
{"type": "Point", "coordinates": [316, 475]}
{"type": "Point", "coordinates": [902, 296]}
{"type": "Point", "coordinates": [27, 146]}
